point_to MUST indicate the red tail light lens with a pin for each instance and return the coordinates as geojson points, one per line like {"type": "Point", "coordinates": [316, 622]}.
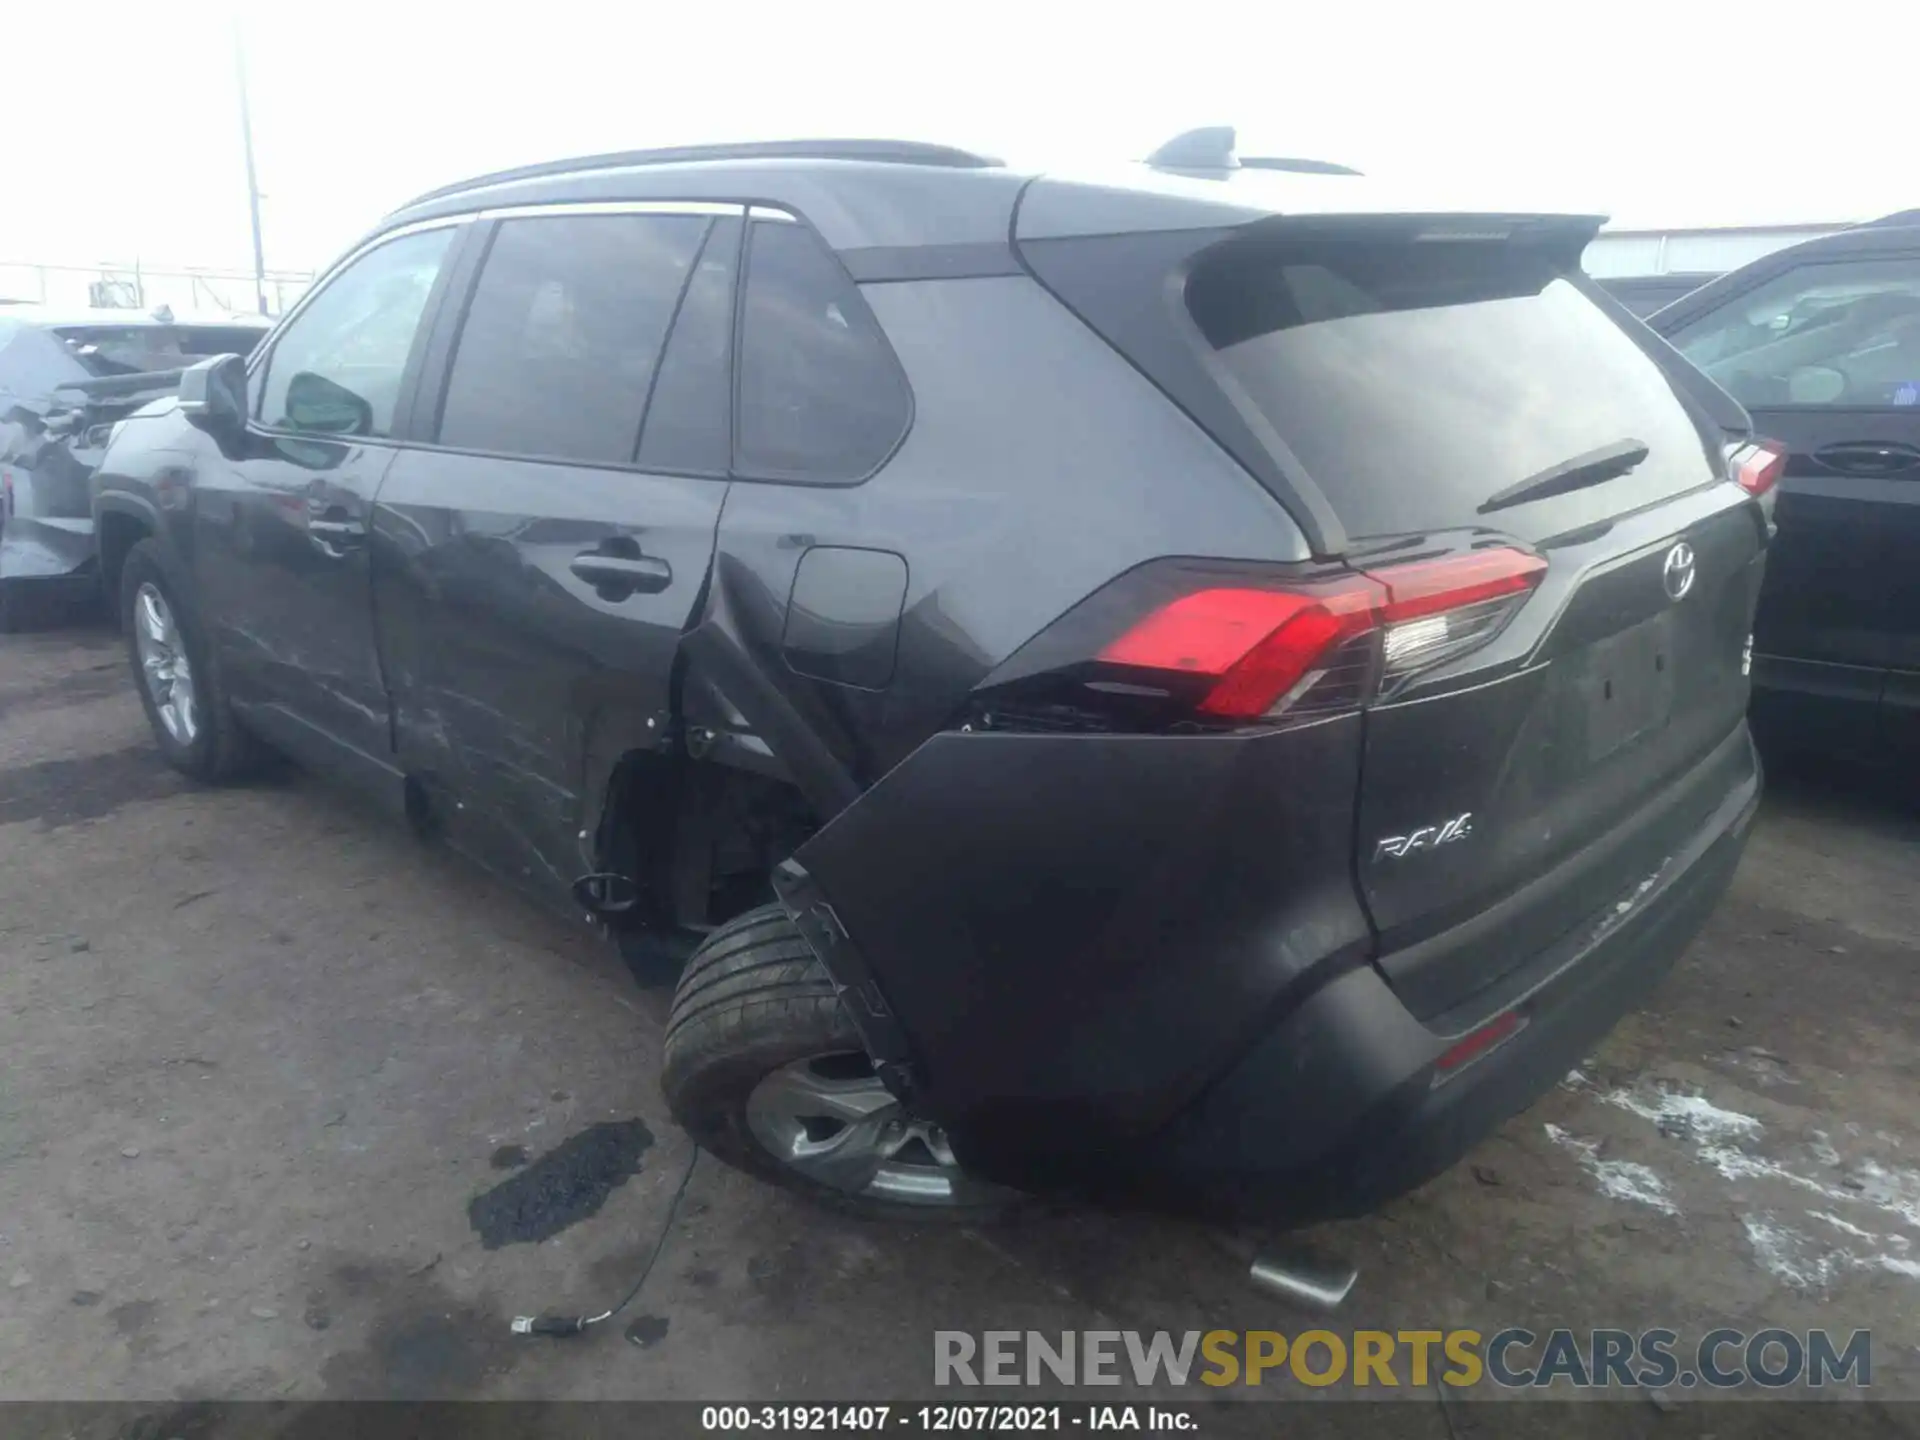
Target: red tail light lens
{"type": "Point", "coordinates": [1267, 649]}
{"type": "Point", "coordinates": [1259, 644]}
{"type": "Point", "coordinates": [1757, 468]}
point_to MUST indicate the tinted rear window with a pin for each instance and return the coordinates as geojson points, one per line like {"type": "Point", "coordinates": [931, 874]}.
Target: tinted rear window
{"type": "Point", "coordinates": [1415, 380]}
{"type": "Point", "coordinates": [821, 397]}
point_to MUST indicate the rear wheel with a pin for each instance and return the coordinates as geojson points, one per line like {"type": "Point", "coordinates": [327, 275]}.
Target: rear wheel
{"type": "Point", "coordinates": [185, 704]}
{"type": "Point", "coordinates": [764, 1068]}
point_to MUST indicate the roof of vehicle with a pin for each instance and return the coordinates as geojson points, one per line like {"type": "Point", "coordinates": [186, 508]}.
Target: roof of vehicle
{"type": "Point", "coordinates": [1864, 241]}
{"type": "Point", "coordinates": [885, 194]}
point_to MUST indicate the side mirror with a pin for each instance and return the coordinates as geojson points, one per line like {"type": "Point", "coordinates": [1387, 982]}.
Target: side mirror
{"type": "Point", "coordinates": [213, 395]}
{"type": "Point", "coordinates": [318, 405]}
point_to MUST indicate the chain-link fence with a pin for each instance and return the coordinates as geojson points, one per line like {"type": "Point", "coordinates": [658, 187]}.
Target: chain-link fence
{"type": "Point", "coordinates": [136, 287]}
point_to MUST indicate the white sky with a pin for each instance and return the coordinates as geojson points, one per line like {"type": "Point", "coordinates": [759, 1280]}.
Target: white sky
{"type": "Point", "coordinates": [120, 138]}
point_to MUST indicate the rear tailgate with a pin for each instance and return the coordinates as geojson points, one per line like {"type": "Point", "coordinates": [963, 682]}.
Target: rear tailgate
{"type": "Point", "coordinates": [1445, 387]}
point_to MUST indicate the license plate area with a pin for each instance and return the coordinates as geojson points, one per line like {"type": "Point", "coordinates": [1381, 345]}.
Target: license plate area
{"type": "Point", "coordinates": [1624, 685]}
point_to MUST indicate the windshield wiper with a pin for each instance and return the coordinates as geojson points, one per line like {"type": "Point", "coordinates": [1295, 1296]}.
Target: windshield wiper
{"type": "Point", "coordinates": [1606, 463]}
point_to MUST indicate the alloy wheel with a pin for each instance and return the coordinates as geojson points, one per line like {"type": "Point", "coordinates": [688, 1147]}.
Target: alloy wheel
{"type": "Point", "coordinates": [164, 664]}
{"type": "Point", "coordinates": [831, 1119]}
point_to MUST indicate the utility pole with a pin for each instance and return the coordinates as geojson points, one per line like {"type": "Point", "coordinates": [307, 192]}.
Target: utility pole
{"type": "Point", "coordinates": [253, 184]}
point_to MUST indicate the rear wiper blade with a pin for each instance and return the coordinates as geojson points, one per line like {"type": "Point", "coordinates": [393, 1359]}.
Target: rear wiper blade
{"type": "Point", "coordinates": [1606, 463]}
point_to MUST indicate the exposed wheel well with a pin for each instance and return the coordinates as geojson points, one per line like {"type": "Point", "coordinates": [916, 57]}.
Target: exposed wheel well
{"type": "Point", "coordinates": [118, 533]}
{"type": "Point", "coordinates": [700, 840]}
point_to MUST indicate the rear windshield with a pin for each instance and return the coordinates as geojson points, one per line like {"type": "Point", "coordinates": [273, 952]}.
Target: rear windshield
{"type": "Point", "coordinates": [1414, 380]}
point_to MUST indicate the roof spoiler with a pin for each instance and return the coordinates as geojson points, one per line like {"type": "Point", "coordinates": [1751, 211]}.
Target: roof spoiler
{"type": "Point", "coordinates": [1212, 148]}
{"type": "Point", "coordinates": [1899, 217]}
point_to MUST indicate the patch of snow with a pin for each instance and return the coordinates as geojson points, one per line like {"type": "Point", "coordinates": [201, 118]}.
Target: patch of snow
{"type": "Point", "coordinates": [1895, 1191]}
{"type": "Point", "coordinates": [1690, 1115]}
{"type": "Point", "coordinates": [1735, 1164]}
{"type": "Point", "coordinates": [1789, 1256]}
{"type": "Point", "coordinates": [1794, 1259]}
{"type": "Point", "coordinates": [1843, 1226]}
{"type": "Point", "coordinates": [1617, 1179]}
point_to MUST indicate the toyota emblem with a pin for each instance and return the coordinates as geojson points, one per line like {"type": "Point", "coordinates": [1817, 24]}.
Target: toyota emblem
{"type": "Point", "coordinates": [1677, 573]}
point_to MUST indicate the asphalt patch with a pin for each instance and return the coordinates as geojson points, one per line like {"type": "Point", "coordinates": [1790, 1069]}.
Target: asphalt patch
{"type": "Point", "coordinates": [65, 792]}
{"type": "Point", "coordinates": [561, 1188]}
{"type": "Point", "coordinates": [94, 683]}
{"type": "Point", "coordinates": [419, 1341]}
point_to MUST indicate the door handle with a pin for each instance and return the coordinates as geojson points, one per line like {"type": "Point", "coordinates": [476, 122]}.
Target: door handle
{"type": "Point", "coordinates": [616, 577]}
{"type": "Point", "coordinates": [335, 537]}
{"type": "Point", "coordinates": [1870, 457]}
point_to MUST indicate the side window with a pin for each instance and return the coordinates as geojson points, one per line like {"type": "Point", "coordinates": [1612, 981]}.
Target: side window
{"type": "Point", "coordinates": [1846, 332]}
{"type": "Point", "coordinates": [337, 367]}
{"type": "Point", "coordinates": [557, 353]}
{"type": "Point", "coordinates": [689, 424]}
{"type": "Point", "coordinates": [821, 395]}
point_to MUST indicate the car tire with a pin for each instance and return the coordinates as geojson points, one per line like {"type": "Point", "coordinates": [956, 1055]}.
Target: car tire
{"type": "Point", "coordinates": [214, 747]}
{"type": "Point", "coordinates": [754, 1009]}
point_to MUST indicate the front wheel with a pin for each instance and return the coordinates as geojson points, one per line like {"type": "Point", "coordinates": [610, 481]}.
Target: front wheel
{"type": "Point", "coordinates": [763, 1067]}
{"type": "Point", "coordinates": [186, 707]}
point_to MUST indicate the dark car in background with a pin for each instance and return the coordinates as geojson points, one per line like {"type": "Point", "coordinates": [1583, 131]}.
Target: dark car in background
{"type": "Point", "coordinates": [1645, 294]}
{"type": "Point", "coordinates": [1821, 343]}
{"type": "Point", "coordinates": [1210, 687]}
{"type": "Point", "coordinates": [65, 380]}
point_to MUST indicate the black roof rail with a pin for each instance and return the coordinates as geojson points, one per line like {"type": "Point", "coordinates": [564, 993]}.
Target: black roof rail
{"type": "Point", "coordinates": [1212, 148]}
{"type": "Point", "coordinates": [894, 152]}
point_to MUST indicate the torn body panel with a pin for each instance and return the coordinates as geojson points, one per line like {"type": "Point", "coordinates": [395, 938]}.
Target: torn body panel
{"type": "Point", "coordinates": [47, 464]}
{"type": "Point", "coordinates": [519, 680]}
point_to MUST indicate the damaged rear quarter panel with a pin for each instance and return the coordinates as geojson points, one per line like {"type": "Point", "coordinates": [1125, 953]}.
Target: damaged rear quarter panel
{"type": "Point", "coordinates": [1035, 907]}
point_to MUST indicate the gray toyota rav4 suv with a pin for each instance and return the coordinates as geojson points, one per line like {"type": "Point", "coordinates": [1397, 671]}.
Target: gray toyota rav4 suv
{"type": "Point", "coordinates": [1207, 684]}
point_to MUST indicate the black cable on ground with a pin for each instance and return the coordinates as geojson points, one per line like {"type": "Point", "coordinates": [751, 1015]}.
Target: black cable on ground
{"type": "Point", "coordinates": [558, 1325]}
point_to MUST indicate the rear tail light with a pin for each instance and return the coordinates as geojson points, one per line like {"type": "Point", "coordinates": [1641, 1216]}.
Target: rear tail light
{"type": "Point", "coordinates": [1437, 610]}
{"type": "Point", "coordinates": [1259, 648]}
{"type": "Point", "coordinates": [1757, 467]}
{"type": "Point", "coordinates": [1257, 652]}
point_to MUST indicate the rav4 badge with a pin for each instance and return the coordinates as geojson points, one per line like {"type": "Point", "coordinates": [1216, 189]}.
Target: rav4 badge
{"type": "Point", "coordinates": [1425, 838]}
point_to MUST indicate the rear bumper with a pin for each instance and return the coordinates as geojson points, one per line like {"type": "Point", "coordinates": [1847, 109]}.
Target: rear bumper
{"type": "Point", "coordinates": [1136, 969]}
{"type": "Point", "coordinates": [1337, 1110]}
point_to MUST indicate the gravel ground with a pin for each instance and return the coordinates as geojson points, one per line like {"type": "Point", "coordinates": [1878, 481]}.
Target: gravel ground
{"type": "Point", "coordinates": [263, 1052]}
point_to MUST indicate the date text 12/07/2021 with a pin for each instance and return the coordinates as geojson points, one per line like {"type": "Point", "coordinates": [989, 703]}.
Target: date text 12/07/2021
{"type": "Point", "coordinates": [939, 1419]}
